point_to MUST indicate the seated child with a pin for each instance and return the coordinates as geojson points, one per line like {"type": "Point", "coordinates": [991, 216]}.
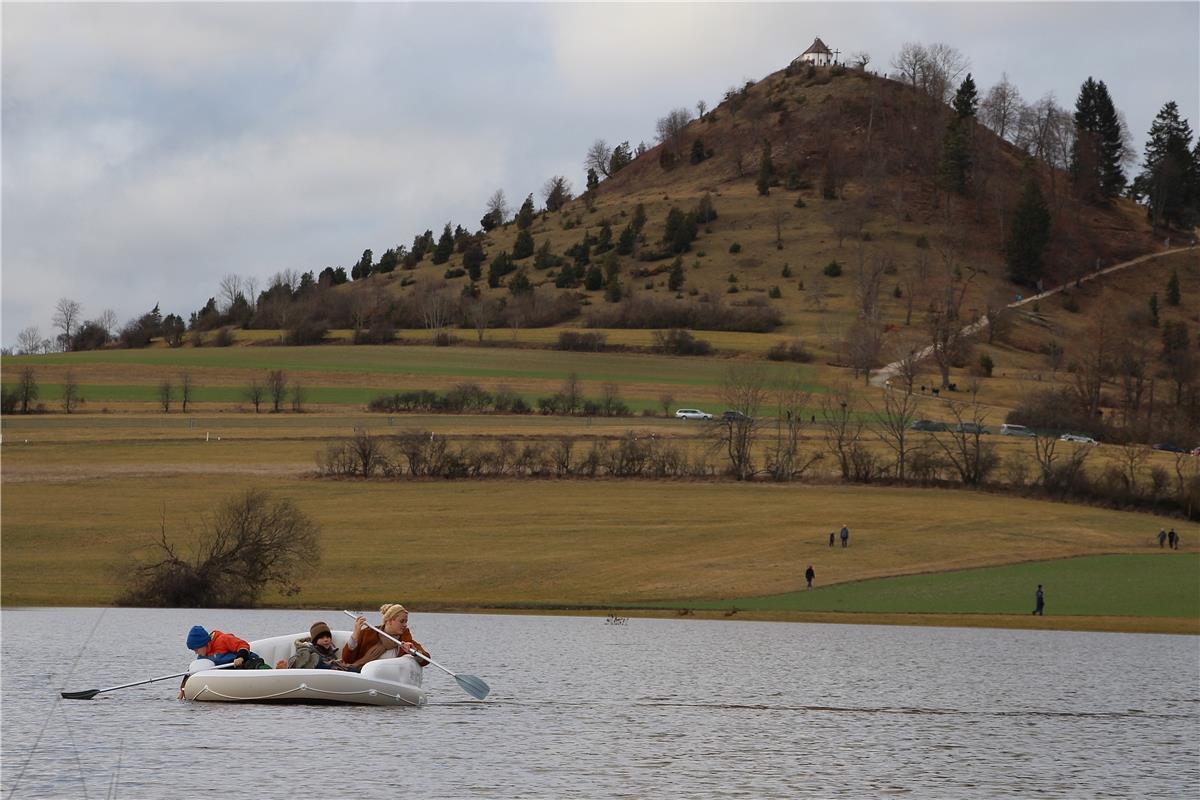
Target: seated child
{"type": "Point", "coordinates": [317, 651]}
{"type": "Point", "coordinates": [221, 648]}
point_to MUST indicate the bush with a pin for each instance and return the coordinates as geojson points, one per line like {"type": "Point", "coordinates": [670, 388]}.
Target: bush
{"type": "Point", "coordinates": [923, 242]}
{"type": "Point", "coordinates": [833, 269]}
{"type": "Point", "coordinates": [708, 313]}
{"type": "Point", "coordinates": [252, 541]}
{"type": "Point", "coordinates": [775, 293]}
{"type": "Point", "coordinates": [582, 342]}
{"type": "Point", "coordinates": [307, 331]}
{"type": "Point", "coordinates": [789, 351]}
{"type": "Point", "coordinates": [985, 365]}
{"type": "Point", "coordinates": [679, 342]}
{"type": "Point", "coordinates": [223, 337]}
{"type": "Point", "coordinates": [735, 248]}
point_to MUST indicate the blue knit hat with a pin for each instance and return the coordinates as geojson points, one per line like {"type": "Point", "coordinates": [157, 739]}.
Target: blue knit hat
{"type": "Point", "coordinates": [197, 637]}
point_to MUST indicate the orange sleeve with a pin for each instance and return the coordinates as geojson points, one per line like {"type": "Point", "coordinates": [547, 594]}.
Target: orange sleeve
{"type": "Point", "coordinates": [226, 643]}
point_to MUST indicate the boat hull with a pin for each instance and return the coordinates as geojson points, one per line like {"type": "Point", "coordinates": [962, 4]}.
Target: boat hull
{"type": "Point", "coordinates": [298, 686]}
{"type": "Point", "coordinates": [385, 682]}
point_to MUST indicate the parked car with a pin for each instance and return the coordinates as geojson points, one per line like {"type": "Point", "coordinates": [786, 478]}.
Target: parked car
{"type": "Point", "coordinates": [1015, 430]}
{"type": "Point", "coordinates": [970, 427]}
{"type": "Point", "coordinates": [927, 425]}
{"type": "Point", "coordinates": [691, 413]}
{"type": "Point", "coordinates": [1196, 452]}
{"type": "Point", "coordinates": [1170, 448]}
{"type": "Point", "coordinates": [1077, 438]}
{"type": "Point", "coordinates": [732, 416]}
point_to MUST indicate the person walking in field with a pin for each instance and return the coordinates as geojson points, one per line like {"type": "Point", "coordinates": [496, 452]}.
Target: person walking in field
{"type": "Point", "coordinates": [1162, 537]}
{"type": "Point", "coordinates": [845, 536]}
{"type": "Point", "coordinates": [831, 538]}
{"type": "Point", "coordinates": [809, 575]}
{"type": "Point", "coordinates": [1171, 539]}
{"type": "Point", "coordinates": [1041, 602]}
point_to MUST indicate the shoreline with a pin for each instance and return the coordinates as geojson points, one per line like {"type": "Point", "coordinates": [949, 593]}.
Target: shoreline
{"type": "Point", "coordinates": [1174, 626]}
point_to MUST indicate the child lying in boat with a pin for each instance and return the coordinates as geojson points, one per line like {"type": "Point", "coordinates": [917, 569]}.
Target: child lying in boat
{"type": "Point", "coordinates": [315, 652]}
{"type": "Point", "coordinates": [365, 645]}
{"type": "Point", "coordinates": [221, 648]}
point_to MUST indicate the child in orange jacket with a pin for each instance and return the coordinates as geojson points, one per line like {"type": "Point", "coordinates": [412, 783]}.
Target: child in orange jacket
{"type": "Point", "coordinates": [221, 648]}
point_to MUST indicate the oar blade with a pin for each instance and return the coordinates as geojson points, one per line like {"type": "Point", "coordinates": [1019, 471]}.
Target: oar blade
{"type": "Point", "coordinates": [86, 694]}
{"type": "Point", "coordinates": [473, 686]}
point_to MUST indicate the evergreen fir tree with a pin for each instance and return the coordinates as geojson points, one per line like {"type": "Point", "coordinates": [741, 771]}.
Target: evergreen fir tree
{"type": "Point", "coordinates": [697, 152]}
{"type": "Point", "coordinates": [520, 283]}
{"type": "Point", "coordinates": [604, 240]}
{"type": "Point", "coordinates": [594, 279]}
{"type": "Point", "coordinates": [766, 170]}
{"type": "Point", "coordinates": [1029, 236]}
{"type": "Point", "coordinates": [363, 267]}
{"type": "Point", "coordinates": [445, 246]}
{"type": "Point", "coordinates": [525, 215]}
{"type": "Point", "coordinates": [639, 218]}
{"type": "Point", "coordinates": [627, 240]}
{"type": "Point", "coordinates": [675, 278]}
{"type": "Point", "coordinates": [1166, 180]}
{"type": "Point", "coordinates": [1173, 297]}
{"type": "Point", "coordinates": [501, 265]}
{"type": "Point", "coordinates": [593, 180]}
{"type": "Point", "coordinates": [1098, 149]}
{"type": "Point", "coordinates": [1154, 310]}
{"type": "Point", "coordinates": [543, 258]}
{"type": "Point", "coordinates": [613, 292]}
{"type": "Point", "coordinates": [523, 247]}
{"type": "Point", "coordinates": [473, 260]}
{"type": "Point", "coordinates": [956, 145]}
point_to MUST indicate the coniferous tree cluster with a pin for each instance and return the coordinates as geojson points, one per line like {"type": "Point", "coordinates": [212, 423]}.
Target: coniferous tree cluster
{"type": "Point", "coordinates": [1170, 177]}
{"type": "Point", "coordinates": [956, 146]}
{"type": "Point", "coordinates": [1029, 236]}
{"type": "Point", "coordinates": [1099, 146]}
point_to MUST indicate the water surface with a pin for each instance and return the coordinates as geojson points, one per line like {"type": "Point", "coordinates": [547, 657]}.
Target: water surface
{"type": "Point", "coordinates": [580, 708]}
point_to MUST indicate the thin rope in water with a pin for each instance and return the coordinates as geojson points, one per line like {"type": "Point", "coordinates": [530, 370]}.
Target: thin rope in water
{"type": "Point", "coordinates": [301, 688]}
{"type": "Point", "coordinates": [16, 781]}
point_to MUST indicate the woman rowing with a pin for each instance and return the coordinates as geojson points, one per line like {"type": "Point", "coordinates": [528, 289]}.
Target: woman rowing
{"type": "Point", "coordinates": [366, 645]}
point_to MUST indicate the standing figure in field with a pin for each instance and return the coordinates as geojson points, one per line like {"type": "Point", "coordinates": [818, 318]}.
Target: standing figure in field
{"type": "Point", "coordinates": [1041, 602]}
{"type": "Point", "coordinates": [1162, 536]}
{"type": "Point", "coordinates": [1172, 539]}
{"type": "Point", "coordinates": [831, 535]}
{"type": "Point", "coordinates": [845, 536]}
{"type": "Point", "coordinates": [809, 575]}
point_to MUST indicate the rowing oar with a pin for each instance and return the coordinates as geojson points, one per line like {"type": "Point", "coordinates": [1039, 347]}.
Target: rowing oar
{"type": "Point", "coordinates": [472, 685]}
{"type": "Point", "coordinates": [88, 694]}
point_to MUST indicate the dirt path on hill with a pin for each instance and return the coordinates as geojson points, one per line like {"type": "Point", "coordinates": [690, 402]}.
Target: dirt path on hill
{"type": "Point", "coordinates": [885, 374]}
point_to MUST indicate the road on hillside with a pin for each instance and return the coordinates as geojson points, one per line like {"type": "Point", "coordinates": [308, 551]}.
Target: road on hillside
{"type": "Point", "coordinates": [886, 373]}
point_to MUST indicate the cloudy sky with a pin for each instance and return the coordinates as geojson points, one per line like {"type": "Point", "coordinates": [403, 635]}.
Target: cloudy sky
{"type": "Point", "coordinates": [148, 149]}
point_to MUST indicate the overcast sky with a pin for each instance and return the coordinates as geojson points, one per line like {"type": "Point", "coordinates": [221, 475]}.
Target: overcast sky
{"type": "Point", "coordinates": [148, 149]}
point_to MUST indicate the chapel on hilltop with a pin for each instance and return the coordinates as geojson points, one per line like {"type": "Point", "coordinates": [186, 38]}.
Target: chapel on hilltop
{"type": "Point", "coordinates": [817, 55]}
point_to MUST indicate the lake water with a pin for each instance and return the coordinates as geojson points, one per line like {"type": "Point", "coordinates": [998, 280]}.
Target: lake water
{"type": "Point", "coordinates": [580, 708]}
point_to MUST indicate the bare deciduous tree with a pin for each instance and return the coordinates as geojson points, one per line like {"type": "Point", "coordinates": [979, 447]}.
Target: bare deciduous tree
{"type": "Point", "coordinates": [480, 311]}
{"type": "Point", "coordinates": [277, 389]}
{"type": "Point", "coordinates": [598, 157]}
{"type": "Point", "coordinates": [252, 541]}
{"type": "Point", "coordinates": [27, 389]}
{"type": "Point", "coordinates": [894, 424]}
{"type": "Point", "coordinates": [229, 290]}
{"type": "Point", "coordinates": [497, 207]}
{"type": "Point", "coordinates": [166, 393]}
{"type": "Point", "coordinates": [943, 322]}
{"type": "Point", "coordinates": [665, 400]}
{"type": "Point", "coordinates": [70, 392]}
{"type": "Point", "coordinates": [843, 427]}
{"type": "Point", "coordinates": [784, 458]}
{"type": "Point", "coordinates": [298, 395]}
{"type": "Point", "coordinates": [669, 129]}
{"type": "Point", "coordinates": [185, 390]}
{"type": "Point", "coordinates": [66, 318]}
{"type": "Point", "coordinates": [254, 393]}
{"type": "Point", "coordinates": [1001, 108]}
{"type": "Point", "coordinates": [29, 341]}
{"type": "Point", "coordinates": [743, 390]}
{"type": "Point", "coordinates": [963, 444]}
{"type": "Point", "coordinates": [435, 307]}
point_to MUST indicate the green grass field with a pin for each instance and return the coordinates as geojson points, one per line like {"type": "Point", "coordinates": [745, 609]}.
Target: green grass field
{"type": "Point", "coordinates": [1162, 584]}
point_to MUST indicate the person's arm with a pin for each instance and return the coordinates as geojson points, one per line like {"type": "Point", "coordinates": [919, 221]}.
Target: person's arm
{"type": "Point", "coordinates": [350, 651]}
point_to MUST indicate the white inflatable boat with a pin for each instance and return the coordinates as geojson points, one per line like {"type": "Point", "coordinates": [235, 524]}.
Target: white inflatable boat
{"type": "Point", "coordinates": [387, 682]}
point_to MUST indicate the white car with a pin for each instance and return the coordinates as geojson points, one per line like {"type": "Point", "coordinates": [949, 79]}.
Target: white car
{"type": "Point", "coordinates": [691, 413]}
{"type": "Point", "coordinates": [1077, 438]}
